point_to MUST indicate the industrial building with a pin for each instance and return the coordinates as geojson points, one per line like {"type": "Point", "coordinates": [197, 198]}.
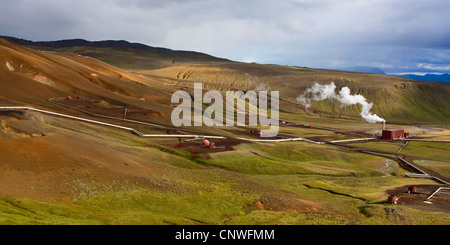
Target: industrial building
{"type": "Point", "coordinates": [393, 134]}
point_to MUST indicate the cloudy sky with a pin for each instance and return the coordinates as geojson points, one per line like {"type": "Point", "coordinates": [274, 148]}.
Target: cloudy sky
{"type": "Point", "coordinates": [395, 35]}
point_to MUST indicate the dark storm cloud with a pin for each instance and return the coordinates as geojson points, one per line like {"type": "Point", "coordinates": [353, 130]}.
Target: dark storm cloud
{"type": "Point", "coordinates": [395, 35]}
{"type": "Point", "coordinates": [29, 19]}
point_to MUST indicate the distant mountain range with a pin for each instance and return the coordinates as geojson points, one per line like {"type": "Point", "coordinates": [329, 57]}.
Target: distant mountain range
{"type": "Point", "coordinates": [125, 54]}
{"type": "Point", "coordinates": [119, 53]}
{"type": "Point", "coordinates": [364, 69]}
{"type": "Point", "coordinates": [115, 44]}
{"type": "Point", "coordinates": [376, 70]}
{"type": "Point", "coordinates": [428, 77]}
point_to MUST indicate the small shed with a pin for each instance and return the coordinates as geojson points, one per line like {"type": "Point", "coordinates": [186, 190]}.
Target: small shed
{"type": "Point", "coordinates": [393, 199]}
{"type": "Point", "coordinates": [392, 134]}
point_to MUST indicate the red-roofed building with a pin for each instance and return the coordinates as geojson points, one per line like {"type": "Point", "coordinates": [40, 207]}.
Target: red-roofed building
{"type": "Point", "coordinates": [393, 134]}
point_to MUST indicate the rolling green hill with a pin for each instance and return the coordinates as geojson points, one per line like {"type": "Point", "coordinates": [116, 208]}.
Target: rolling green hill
{"type": "Point", "coordinates": [398, 100]}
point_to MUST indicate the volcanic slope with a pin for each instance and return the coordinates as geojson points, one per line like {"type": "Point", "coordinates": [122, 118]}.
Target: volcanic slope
{"type": "Point", "coordinates": [32, 77]}
{"type": "Point", "coordinates": [118, 53]}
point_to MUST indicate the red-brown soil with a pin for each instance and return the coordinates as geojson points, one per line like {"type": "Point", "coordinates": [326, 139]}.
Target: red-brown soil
{"type": "Point", "coordinates": [58, 166]}
{"type": "Point", "coordinates": [439, 202]}
{"type": "Point", "coordinates": [104, 108]}
{"type": "Point", "coordinates": [220, 145]}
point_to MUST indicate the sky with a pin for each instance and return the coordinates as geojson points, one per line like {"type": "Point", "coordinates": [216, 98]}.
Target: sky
{"type": "Point", "coordinates": [398, 36]}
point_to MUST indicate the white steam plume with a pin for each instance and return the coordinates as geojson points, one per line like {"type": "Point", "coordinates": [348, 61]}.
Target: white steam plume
{"type": "Point", "coordinates": [321, 92]}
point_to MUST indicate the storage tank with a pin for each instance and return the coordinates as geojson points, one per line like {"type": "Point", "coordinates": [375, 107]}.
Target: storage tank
{"type": "Point", "coordinates": [205, 142]}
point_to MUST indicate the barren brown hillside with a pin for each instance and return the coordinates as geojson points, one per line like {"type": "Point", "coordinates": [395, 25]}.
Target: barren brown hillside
{"type": "Point", "coordinates": [32, 77]}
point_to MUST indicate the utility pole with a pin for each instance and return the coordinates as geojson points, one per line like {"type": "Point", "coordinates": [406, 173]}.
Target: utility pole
{"type": "Point", "coordinates": [125, 115]}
